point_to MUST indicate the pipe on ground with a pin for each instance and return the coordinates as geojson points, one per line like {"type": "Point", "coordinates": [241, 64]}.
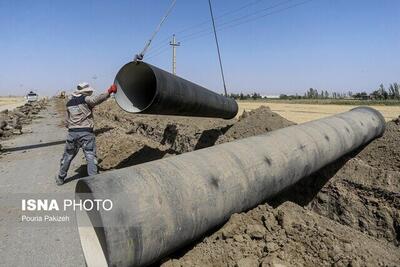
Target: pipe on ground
{"type": "Point", "coordinates": [143, 88]}
{"type": "Point", "coordinates": [162, 205]}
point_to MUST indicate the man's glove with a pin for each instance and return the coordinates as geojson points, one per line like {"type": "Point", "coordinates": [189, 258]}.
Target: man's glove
{"type": "Point", "coordinates": [112, 89]}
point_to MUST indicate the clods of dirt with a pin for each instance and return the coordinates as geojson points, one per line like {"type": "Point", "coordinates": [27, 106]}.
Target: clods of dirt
{"type": "Point", "coordinates": [346, 214]}
{"type": "Point", "coordinates": [12, 121]}
{"type": "Point", "coordinates": [125, 139]}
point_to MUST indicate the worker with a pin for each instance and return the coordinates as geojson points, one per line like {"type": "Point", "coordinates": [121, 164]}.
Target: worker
{"type": "Point", "coordinates": [80, 123]}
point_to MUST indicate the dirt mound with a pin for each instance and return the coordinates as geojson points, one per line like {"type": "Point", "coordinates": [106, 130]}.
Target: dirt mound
{"type": "Point", "coordinates": [11, 122]}
{"type": "Point", "coordinates": [384, 153]}
{"type": "Point", "coordinates": [256, 122]}
{"type": "Point", "coordinates": [360, 190]}
{"type": "Point", "coordinates": [345, 214]}
{"type": "Point", "coordinates": [127, 139]}
{"type": "Point", "coordinates": [350, 215]}
{"type": "Point", "coordinates": [286, 236]}
{"type": "Point", "coordinates": [365, 193]}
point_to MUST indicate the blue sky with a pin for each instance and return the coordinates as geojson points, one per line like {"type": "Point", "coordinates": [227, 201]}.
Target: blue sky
{"type": "Point", "coordinates": [335, 45]}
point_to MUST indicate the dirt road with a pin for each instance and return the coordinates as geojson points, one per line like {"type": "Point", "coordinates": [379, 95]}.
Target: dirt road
{"type": "Point", "coordinates": [29, 166]}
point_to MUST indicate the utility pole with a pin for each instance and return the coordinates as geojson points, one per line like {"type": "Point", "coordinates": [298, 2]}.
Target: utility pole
{"type": "Point", "coordinates": [174, 44]}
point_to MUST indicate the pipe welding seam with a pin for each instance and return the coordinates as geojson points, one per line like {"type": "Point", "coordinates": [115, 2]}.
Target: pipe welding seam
{"type": "Point", "coordinates": [144, 88]}
{"type": "Point", "coordinates": [163, 205]}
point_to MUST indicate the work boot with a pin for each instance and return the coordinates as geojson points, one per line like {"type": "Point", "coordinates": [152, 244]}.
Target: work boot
{"type": "Point", "coordinates": [59, 180]}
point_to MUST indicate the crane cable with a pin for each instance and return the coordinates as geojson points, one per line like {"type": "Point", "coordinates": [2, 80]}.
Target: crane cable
{"type": "Point", "coordinates": [141, 54]}
{"type": "Point", "coordinates": [216, 42]}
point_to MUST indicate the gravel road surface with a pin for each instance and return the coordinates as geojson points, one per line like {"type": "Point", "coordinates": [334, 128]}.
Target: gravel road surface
{"type": "Point", "coordinates": [27, 168]}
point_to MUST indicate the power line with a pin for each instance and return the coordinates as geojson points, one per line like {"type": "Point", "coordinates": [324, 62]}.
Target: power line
{"type": "Point", "coordinates": [207, 31]}
{"type": "Point", "coordinates": [205, 22]}
{"type": "Point", "coordinates": [242, 17]}
{"type": "Point", "coordinates": [222, 28]}
{"type": "Point", "coordinates": [216, 42]}
{"type": "Point", "coordinates": [226, 26]}
{"type": "Point", "coordinates": [236, 10]}
{"type": "Point", "coordinates": [159, 53]}
{"type": "Point", "coordinates": [156, 51]}
{"type": "Point", "coordinates": [264, 15]}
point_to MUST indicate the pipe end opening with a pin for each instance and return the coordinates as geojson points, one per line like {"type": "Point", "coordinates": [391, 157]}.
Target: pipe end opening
{"type": "Point", "coordinates": [136, 87]}
{"type": "Point", "coordinates": [92, 236]}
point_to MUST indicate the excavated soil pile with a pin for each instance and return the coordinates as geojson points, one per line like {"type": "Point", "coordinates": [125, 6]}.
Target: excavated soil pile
{"type": "Point", "coordinates": [124, 139]}
{"type": "Point", "coordinates": [11, 122]}
{"type": "Point", "coordinates": [347, 214]}
{"type": "Point", "coordinates": [288, 235]}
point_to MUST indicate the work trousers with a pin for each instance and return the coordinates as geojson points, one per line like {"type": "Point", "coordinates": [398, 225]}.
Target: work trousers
{"type": "Point", "coordinates": [76, 140]}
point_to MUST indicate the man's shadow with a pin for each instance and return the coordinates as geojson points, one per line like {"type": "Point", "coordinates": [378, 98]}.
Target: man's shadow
{"type": "Point", "coordinates": [209, 137]}
{"type": "Point", "coordinates": [169, 135]}
{"type": "Point", "coordinates": [147, 153]}
{"type": "Point", "coordinates": [81, 172]}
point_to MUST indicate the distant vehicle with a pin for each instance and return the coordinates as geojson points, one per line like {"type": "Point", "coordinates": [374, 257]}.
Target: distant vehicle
{"type": "Point", "coordinates": [32, 97]}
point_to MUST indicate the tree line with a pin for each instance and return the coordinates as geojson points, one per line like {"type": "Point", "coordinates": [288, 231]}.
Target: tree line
{"type": "Point", "coordinates": [382, 93]}
{"type": "Point", "coordinates": [241, 96]}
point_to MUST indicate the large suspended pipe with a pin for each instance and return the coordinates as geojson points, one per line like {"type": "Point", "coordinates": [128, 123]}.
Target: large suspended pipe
{"type": "Point", "coordinates": [162, 205]}
{"type": "Point", "coordinates": [143, 88]}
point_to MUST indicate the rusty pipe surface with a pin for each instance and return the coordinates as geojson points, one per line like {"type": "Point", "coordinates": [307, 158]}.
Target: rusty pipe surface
{"type": "Point", "coordinates": [146, 89]}
{"type": "Point", "coordinates": [163, 205]}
